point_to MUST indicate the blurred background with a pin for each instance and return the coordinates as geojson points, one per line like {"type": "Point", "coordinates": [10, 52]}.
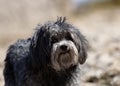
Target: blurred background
{"type": "Point", "coordinates": [98, 20]}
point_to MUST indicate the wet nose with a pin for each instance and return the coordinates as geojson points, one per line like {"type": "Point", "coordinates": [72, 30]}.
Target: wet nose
{"type": "Point", "coordinates": [64, 47]}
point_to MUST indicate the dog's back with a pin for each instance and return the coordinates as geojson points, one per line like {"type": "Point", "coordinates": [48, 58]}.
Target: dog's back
{"type": "Point", "coordinates": [15, 53]}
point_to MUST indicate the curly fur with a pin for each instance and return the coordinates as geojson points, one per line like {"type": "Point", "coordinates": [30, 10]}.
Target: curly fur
{"type": "Point", "coordinates": [28, 62]}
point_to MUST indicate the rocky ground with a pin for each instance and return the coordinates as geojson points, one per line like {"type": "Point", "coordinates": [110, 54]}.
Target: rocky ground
{"type": "Point", "coordinates": [101, 28]}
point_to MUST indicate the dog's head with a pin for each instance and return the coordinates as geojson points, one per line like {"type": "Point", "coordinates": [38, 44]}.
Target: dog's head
{"type": "Point", "coordinates": [59, 45]}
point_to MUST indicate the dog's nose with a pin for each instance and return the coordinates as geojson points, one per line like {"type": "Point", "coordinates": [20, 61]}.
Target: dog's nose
{"type": "Point", "coordinates": [64, 47]}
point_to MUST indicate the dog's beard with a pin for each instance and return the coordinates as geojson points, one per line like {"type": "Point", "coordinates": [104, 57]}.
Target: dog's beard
{"type": "Point", "coordinates": [63, 60]}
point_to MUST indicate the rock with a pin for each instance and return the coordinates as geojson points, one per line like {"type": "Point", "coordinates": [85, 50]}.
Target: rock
{"type": "Point", "coordinates": [116, 81]}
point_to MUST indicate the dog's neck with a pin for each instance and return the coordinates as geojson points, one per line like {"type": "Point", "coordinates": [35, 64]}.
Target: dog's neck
{"type": "Point", "coordinates": [58, 78]}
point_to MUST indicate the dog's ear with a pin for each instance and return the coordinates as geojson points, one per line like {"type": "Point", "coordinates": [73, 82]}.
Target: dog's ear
{"type": "Point", "coordinates": [39, 47]}
{"type": "Point", "coordinates": [83, 50]}
{"type": "Point", "coordinates": [82, 45]}
{"type": "Point", "coordinates": [39, 31]}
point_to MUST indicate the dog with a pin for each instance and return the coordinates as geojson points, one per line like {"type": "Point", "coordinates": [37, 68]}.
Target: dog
{"type": "Point", "coordinates": [51, 57]}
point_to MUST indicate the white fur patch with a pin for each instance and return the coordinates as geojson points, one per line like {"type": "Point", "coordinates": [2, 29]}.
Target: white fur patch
{"type": "Point", "coordinates": [61, 61]}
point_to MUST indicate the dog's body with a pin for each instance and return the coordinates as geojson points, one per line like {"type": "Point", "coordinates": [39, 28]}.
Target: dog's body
{"type": "Point", "coordinates": [50, 58]}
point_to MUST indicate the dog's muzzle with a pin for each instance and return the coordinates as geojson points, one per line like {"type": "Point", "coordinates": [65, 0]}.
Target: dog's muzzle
{"type": "Point", "coordinates": [64, 55]}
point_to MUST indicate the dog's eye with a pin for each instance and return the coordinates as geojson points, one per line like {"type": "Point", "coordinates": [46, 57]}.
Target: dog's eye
{"type": "Point", "coordinates": [54, 39]}
{"type": "Point", "coordinates": [68, 37]}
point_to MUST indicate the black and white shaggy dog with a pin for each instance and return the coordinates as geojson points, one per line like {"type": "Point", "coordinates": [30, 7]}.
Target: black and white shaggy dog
{"type": "Point", "coordinates": [51, 57]}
